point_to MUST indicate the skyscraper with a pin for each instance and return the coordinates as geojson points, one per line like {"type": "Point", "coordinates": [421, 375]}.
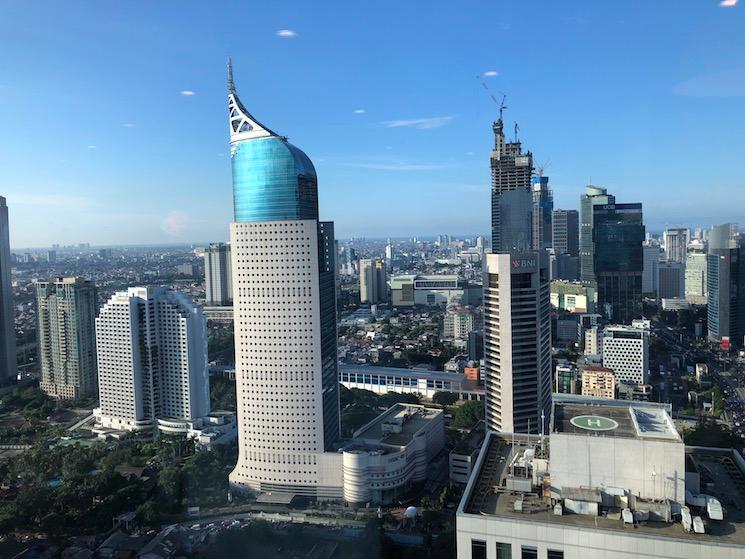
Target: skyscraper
{"type": "Point", "coordinates": [284, 316]}
{"type": "Point", "coordinates": [511, 196]}
{"type": "Point", "coordinates": [517, 341]}
{"type": "Point", "coordinates": [8, 369]}
{"type": "Point", "coordinates": [66, 317]}
{"type": "Point", "coordinates": [671, 282]}
{"type": "Point", "coordinates": [676, 244]}
{"type": "Point", "coordinates": [650, 269]}
{"type": "Point", "coordinates": [695, 278]}
{"type": "Point", "coordinates": [726, 286]}
{"type": "Point", "coordinates": [373, 281]}
{"type": "Point", "coordinates": [618, 233]}
{"type": "Point", "coordinates": [565, 237]}
{"type": "Point", "coordinates": [152, 359]}
{"type": "Point", "coordinates": [593, 196]}
{"type": "Point", "coordinates": [543, 207]}
{"type": "Point", "coordinates": [217, 277]}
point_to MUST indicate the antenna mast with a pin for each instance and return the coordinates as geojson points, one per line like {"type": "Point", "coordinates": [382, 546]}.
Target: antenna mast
{"type": "Point", "coordinates": [500, 104]}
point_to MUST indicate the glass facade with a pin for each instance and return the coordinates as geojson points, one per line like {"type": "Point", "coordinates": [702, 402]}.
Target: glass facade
{"type": "Point", "coordinates": [272, 181]}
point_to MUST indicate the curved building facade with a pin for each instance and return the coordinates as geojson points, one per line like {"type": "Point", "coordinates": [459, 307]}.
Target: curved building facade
{"type": "Point", "coordinates": [284, 301]}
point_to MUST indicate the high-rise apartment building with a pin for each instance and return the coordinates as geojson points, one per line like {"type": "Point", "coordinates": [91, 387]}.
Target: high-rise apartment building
{"type": "Point", "coordinates": [8, 369]}
{"type": "Point", "coordinates": [66, 328]}
{"type": "Point", "coordinates": [695, 278]}
{"type": "Point", "coordinates": [217, 275]}
{"type": "Point", "coordinates": [676, 244]}
{"type": "Point", "coordinates": [511, 196]}
{"type": "Point", "coordinates": [389, 252]}
{"type": "Point", "coordinates": [152, 359]}
{"type": "Point", "coordinates": [284, 305]}
{"type": "Point", "coordinates": [565, 236]}
{"type": "Point", "coordinates": [373, 281]}
{"type": "Point", "coordinates": [517, 341]}
{"type": "Point", "coordinates": [671, 282]}
{"type": "Point", "coordinates": [726, 286]}
{"type": "Point", "coordinates": [459, 322]}
{"type": "Point", "coordinates": [626, 352]}
{"type": "Point", "coordinates": [543, 207]}
{"type": "Point", "coordinates": [593, 196]}
{"type": "Point", "coordinates": [618, 233]}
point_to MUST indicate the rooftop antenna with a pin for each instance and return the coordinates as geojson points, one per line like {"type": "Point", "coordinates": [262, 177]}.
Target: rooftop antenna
{"type": "Point", "coordinates": [541, 168]}
{"type": "Point", "coordinates": [517, 129]}
{"type": "Point", "coordinates": [499, 104]}
{"type": "Point", "coordinates": [231, 83]}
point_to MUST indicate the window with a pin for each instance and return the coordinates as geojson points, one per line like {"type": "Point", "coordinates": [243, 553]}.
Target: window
{"type": "Point", "coordinates": [478, 549]}
{"type": "Point", "coordinates": [529, 552]}
{"type": "Point", "coordinates": [555, 554]}
{"type": "Point", "coordinates": [504, 551]}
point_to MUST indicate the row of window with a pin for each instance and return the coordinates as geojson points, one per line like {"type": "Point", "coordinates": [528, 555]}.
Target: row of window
{"type": "Point", "coordinates": [504, 551]}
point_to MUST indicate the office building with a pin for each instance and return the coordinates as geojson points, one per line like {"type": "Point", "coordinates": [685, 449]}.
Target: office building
{"type": "Point", "coordinates": [565, 236]}
{"type": "Point", "coordinates": [695, 278]}
{"type": "Point", "coordinates": [409, 290]}
{"type": "Point", "coordinates": [517, 341]}
{"type": "Point", "coordinates": [626, 352]}
{"type": "Point", "coordinates": [598, 382]}
{"type": "Point", "coordinates": [66, 311]}
{"type": "Point", "coordinates": [284, 302]}
{"type": "Point", "coordinates": [8, 369]}
{"type": "Point", "coordinates": [650, 269]}
{"type": "Point", "coordinates": [218, 282]}
{"type": "Point", "coordinates": [511, 195]}
{"type": "Point", "coordinates": [566, 378]}
{"type": "Point", "coordinates": [52, 256]}
{"type": "Point", "coordinates": [152, 360]}
{"type": "Point", "coordinates": [726, 286]}
{"type": "Point", "coordinates": [676, 244]}
{"type": "Point", "coordinates": [618, 233]}
{"type": "Point", "coordinates": [459, 322]}
{"type": "Point", "coordinates": [389, 253]}
{"type": "Point", "coordinates": [475, 346]}
{"type": "Point", "coordinates": [373, 281]}
{"type": "Point", "coordinates": [463, 456]}
{"type": "Point", "coordinates": [671, 282]}
{"type": "Point", "coordinates": [593, 196]}
{"type": "Point", "coordinates": [572, 297]}
{"type": "Point", "coordinates": [543, 207]}
{"type": "Point", "coordinates": [564, 266]}
{"type": "Point", "coordinates": [613, 479]}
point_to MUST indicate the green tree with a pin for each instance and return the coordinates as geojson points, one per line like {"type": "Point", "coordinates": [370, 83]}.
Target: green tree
{"type": "Point", "coordinates": [444, 398]}
{"type": "Point", "coordinates": [468, 414]}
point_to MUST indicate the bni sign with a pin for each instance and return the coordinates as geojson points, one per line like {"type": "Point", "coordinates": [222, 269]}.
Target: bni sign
{"type": "Point", "coordinates": [523, 262]}
{"type": "Point", "coordinates": [594, 422]}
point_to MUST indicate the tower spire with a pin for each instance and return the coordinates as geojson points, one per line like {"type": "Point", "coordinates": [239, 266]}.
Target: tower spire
{"type": "Point", "coordinates": [231, 84]}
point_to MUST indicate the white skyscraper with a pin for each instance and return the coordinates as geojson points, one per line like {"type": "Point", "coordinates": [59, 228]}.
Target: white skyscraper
{"type": "Point", "coordinates": [8, 370]}
{"type": "Point", "coordinates": [676, 244]}
{"type": "Point", "coordinates": [373, 281]}
{"type": "Point", "coordinates": [695, 278]}
{"type": "Point", "coordinates": [152, 359]}
{"type": "Point", "coordinates": [626, 351]}
{"type": "Point", "coordinates": [284, 316]}
{"type": "Point", "coordinates": [517, 341]}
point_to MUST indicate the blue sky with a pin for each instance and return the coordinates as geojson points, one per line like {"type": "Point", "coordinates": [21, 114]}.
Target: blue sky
{"type": "Point", "coordinates": [100, 146]}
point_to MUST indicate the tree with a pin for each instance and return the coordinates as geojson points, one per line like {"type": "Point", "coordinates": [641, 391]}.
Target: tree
{"type": "Point", "coordinates": [149, 513]}
{"type": "Point", "coordinates": [444, 398]}
{"type": "Point", "coordinates": [391, 398]}
{"type": "Point", "coordinates": [468, 413]}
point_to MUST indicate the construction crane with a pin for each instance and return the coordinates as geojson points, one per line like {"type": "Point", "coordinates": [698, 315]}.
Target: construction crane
{"type": "Point", "coordinates": [499, 104]}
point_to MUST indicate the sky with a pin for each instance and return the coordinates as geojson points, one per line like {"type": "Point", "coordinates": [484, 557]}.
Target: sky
{"type": "Point", "coordinates": [115, 131]}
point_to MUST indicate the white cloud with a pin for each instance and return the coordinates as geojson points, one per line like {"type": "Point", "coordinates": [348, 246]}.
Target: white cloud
{"type": "Point", "coordinates": [286, 33]}
{"type": "Point", "coordinates": [491, 73]}
{"type": "Point", "coordinates": [359, 111]}
{"type": "Point", "coordinates": [174, 223]}
{"type": "Point", "coordinates": [420, 123]}
{"type": "Point", "coordinates": [187, 93]}
{"type": "Point", "coordinates": [721, 84]}
{"type": "Point", "coordinates": [728, 3]}
{"type": "Point", "coordinates": [128, 125]}
{"type": "Point", "coordinates": [91, 147]}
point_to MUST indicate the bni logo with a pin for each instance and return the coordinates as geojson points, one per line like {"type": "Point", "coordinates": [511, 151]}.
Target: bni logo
{"type": "Point", "coordinates": [523, 263]}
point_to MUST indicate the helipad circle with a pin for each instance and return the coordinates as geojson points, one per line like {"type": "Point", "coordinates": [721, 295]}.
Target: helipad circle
{"type": "Point", "coordinates": [594, 422]}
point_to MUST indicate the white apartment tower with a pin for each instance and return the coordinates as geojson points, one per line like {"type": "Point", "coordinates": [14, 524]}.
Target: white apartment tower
{"type": "Point", "coordinates": [626, 351]}
{"type": "Point", "coordinates": [152, 359]}
{"type": "Point", "coordinates": [676, 244]}
{"type": "Point", "coordinates": [373, 281]}
{"type": "Point", "coordinates": [284, 305]}
{"type": "Point", "coordinates": [517, 341]}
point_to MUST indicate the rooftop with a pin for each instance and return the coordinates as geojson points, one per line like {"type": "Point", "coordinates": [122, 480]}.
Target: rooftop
{"type": "Point", "coordinates": [609, 418]}
{"type": "Point", "coordinates": [487, 495]}
{"type": "Point", "coordinates": [397, 426]}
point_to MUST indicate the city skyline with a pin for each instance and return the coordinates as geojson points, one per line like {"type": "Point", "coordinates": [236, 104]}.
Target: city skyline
{"type": "Point", "coordinates": [155, 121]}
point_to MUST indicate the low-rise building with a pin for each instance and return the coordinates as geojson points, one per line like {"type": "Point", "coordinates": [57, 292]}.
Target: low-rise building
{"type": "Point", "coordinates": [572, 296]}
{"type": "Point", "coordinates": [463, 456]}
{"type": "Point", "coordinates": [431, 290]}
{"type": "Point", "coordinates": [598, 382]}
